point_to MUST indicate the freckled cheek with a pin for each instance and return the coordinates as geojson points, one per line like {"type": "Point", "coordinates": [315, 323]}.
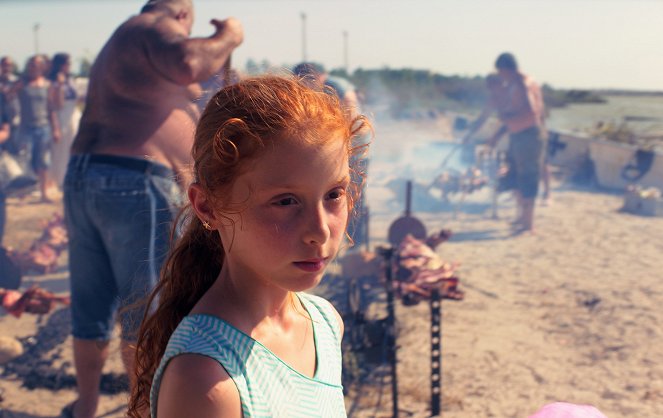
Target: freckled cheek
{"type": "Point", "coordinates": [266, 239]}
{"type": "Point", "coordinates": [339, 223]}
{"type": "Point", "coordinates": [273, 226]}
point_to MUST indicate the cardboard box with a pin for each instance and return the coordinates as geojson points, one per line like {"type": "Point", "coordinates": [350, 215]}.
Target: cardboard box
{"type": "Point", "coordinates": [651, 206]}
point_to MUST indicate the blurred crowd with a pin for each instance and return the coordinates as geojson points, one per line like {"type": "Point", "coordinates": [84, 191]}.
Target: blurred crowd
{"type": "Point", "coordinates": [39, 112]}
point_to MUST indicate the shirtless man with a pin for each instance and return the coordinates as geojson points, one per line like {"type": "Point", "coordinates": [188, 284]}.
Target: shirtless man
{"type": "Point", "coordinates": [523, 114]}
{"type": "Point", "coordinates": [121, 192]}
{"type": "Point", "coordinates": [519, 106]}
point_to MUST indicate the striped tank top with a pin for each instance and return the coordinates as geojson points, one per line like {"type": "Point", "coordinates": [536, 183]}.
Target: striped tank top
{"type": "Point", "coordinates": [267, 386]}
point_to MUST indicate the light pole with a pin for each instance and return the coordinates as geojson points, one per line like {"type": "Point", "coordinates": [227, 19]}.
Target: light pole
{"type": "Point", "coordinates": [345, 52]}
{"type": "Point", "coordinates": [35, 28]}
{"type": "Point", "coordinates": [304, 57]}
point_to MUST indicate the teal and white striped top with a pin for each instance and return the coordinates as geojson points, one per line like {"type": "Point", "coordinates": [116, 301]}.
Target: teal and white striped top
{"type": "Point", "coordinates": [267, 386]}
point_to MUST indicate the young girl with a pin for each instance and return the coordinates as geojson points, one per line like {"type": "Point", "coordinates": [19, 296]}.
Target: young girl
{"type": "Point", "coordinates": [268, 211]}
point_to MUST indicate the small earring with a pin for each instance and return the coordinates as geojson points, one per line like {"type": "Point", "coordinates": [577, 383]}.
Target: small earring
{"type": "Point", "coordinates": [207, 226]}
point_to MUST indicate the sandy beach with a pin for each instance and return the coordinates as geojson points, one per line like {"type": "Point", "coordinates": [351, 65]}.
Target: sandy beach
{"type": "Point", "coordinates": [571, 313]}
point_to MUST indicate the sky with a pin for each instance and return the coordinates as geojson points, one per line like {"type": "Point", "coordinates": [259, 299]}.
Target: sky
{"type": "Point", "coordinates": [565, 43]}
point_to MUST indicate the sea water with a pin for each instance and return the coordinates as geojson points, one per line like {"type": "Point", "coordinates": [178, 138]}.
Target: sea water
{"type": "Point", "coordinates": [641, 114]}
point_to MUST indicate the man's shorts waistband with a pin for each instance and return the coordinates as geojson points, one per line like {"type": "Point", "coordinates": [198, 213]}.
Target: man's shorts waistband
{"type": "Point", "coordinates": [129, 163]}
{"type": "Point", "coordinates": [533, 132]}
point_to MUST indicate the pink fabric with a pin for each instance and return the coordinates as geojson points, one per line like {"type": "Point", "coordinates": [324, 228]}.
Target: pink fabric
{"type": "Point", "coordinates": [567, 410]}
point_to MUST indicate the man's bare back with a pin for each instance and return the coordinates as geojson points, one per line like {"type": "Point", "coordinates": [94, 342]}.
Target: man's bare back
{"type": "Point", "coordinates": [144, 85]}
{"type": "Point", "coordinates": [120, 201]}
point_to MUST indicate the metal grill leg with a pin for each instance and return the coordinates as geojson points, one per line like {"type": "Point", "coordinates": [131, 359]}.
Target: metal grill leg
{"type": "Point", "coordinates": [391, 338]}
{"type": "Point", "coordinates": [436, 352]}
{"type": "Point", "coordinates": [387, 254]}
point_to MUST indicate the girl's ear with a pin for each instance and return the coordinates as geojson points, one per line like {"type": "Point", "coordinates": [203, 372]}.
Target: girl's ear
{"type": "Point", "coordinates": [202, 205]}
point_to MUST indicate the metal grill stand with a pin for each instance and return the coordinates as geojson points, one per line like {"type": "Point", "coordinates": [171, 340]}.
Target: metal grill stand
{"type": "Point", "coordinates": [403, 226]}
{"type": "Point", "coordinates": [436, 352]}
{"type": "Point", "coordinates": [436, 338]}
{"type": "Point", "coordinates": [387, 253]}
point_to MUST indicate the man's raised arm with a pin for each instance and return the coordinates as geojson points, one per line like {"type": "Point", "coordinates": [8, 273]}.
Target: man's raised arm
{"type": "Point", "coordinates": [185, 60]}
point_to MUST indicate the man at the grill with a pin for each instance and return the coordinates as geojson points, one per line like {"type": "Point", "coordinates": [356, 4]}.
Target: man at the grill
{"type": "Point", "coordinates": [520, 108]}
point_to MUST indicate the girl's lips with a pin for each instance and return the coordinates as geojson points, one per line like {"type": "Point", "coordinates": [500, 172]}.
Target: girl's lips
{"type": "Point", "coordinates": [311, 265]}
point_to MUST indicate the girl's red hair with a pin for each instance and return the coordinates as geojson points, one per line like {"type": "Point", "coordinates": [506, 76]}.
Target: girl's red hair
{"type": "Point", "coordinates": [237, 123]}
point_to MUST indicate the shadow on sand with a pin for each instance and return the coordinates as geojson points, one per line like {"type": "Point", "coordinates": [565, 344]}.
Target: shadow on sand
{"type": "Point", "coordinates": [36, 367]}
{"type": "Point", "coordinates": [7, 413]}
{"type": "Point", "coordinates": [486, 235]}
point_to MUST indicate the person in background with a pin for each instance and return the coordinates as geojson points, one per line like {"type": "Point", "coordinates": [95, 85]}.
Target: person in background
{"type": "Point", "coordinates": [7, 74]}
{"type": "Point", "coordinates": [520, 108]}
{"type": "Point", "coordinates": [7, 79]}
{"type": "Point", "coordinates": [5, 132]}
{"type": "Point", "coordinates": [523, 114]}
{"type": "Point", "coordinates": [131, 159]}
{"type": "Point", "coordinates": [65, 101]}
{"type": "Point", "coordinates": [39, 126]}
{"type": "Point", "coordinates": [233, 332]}
{"type": "Point", "coordinates": [316, 76]}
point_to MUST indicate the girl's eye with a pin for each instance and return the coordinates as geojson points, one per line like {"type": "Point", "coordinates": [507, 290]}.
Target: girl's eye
{"type": "Point", "coordinates": [336, 194]}
{"type": "Point", "coordinates": [286, 201]}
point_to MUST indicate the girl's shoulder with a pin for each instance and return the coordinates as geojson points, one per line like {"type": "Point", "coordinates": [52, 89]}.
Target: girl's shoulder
{"type": "Point", "coordinates": [201, 332]}
{"type": "Point", "coordinates": [309, 297]}
{"type": "Point", "coordinates": [191, 366]}
{"type": "Point", "coordinates": [317, 303]}
{"type": "Point", "coordinates": [321, 309]}
{"type": "Point", "coordinates": [206, 386]}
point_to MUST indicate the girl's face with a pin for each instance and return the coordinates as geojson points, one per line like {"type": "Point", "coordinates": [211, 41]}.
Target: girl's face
{"type": "Point", "coordinates": [295, 211]}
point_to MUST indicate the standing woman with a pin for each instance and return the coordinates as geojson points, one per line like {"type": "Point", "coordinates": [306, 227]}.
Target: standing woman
{"type": "Point", "coordinates": [65, 98]}
{"type": "Point", "coordinates": [39, 125]}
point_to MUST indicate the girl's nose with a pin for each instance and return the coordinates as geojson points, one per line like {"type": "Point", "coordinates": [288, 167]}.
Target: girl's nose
{"type": "Point", "coordinates": [317, 227]}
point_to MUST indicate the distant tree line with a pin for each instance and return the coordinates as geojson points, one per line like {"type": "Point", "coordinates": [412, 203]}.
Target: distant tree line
{"type": "Point", "coordinates": [410, 89]}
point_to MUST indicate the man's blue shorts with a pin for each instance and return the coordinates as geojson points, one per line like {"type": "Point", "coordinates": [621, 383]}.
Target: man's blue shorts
{"type": "Point", "coordinates": [526, 148]}
{"type": "Point", "coordinates": [119, 213]}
